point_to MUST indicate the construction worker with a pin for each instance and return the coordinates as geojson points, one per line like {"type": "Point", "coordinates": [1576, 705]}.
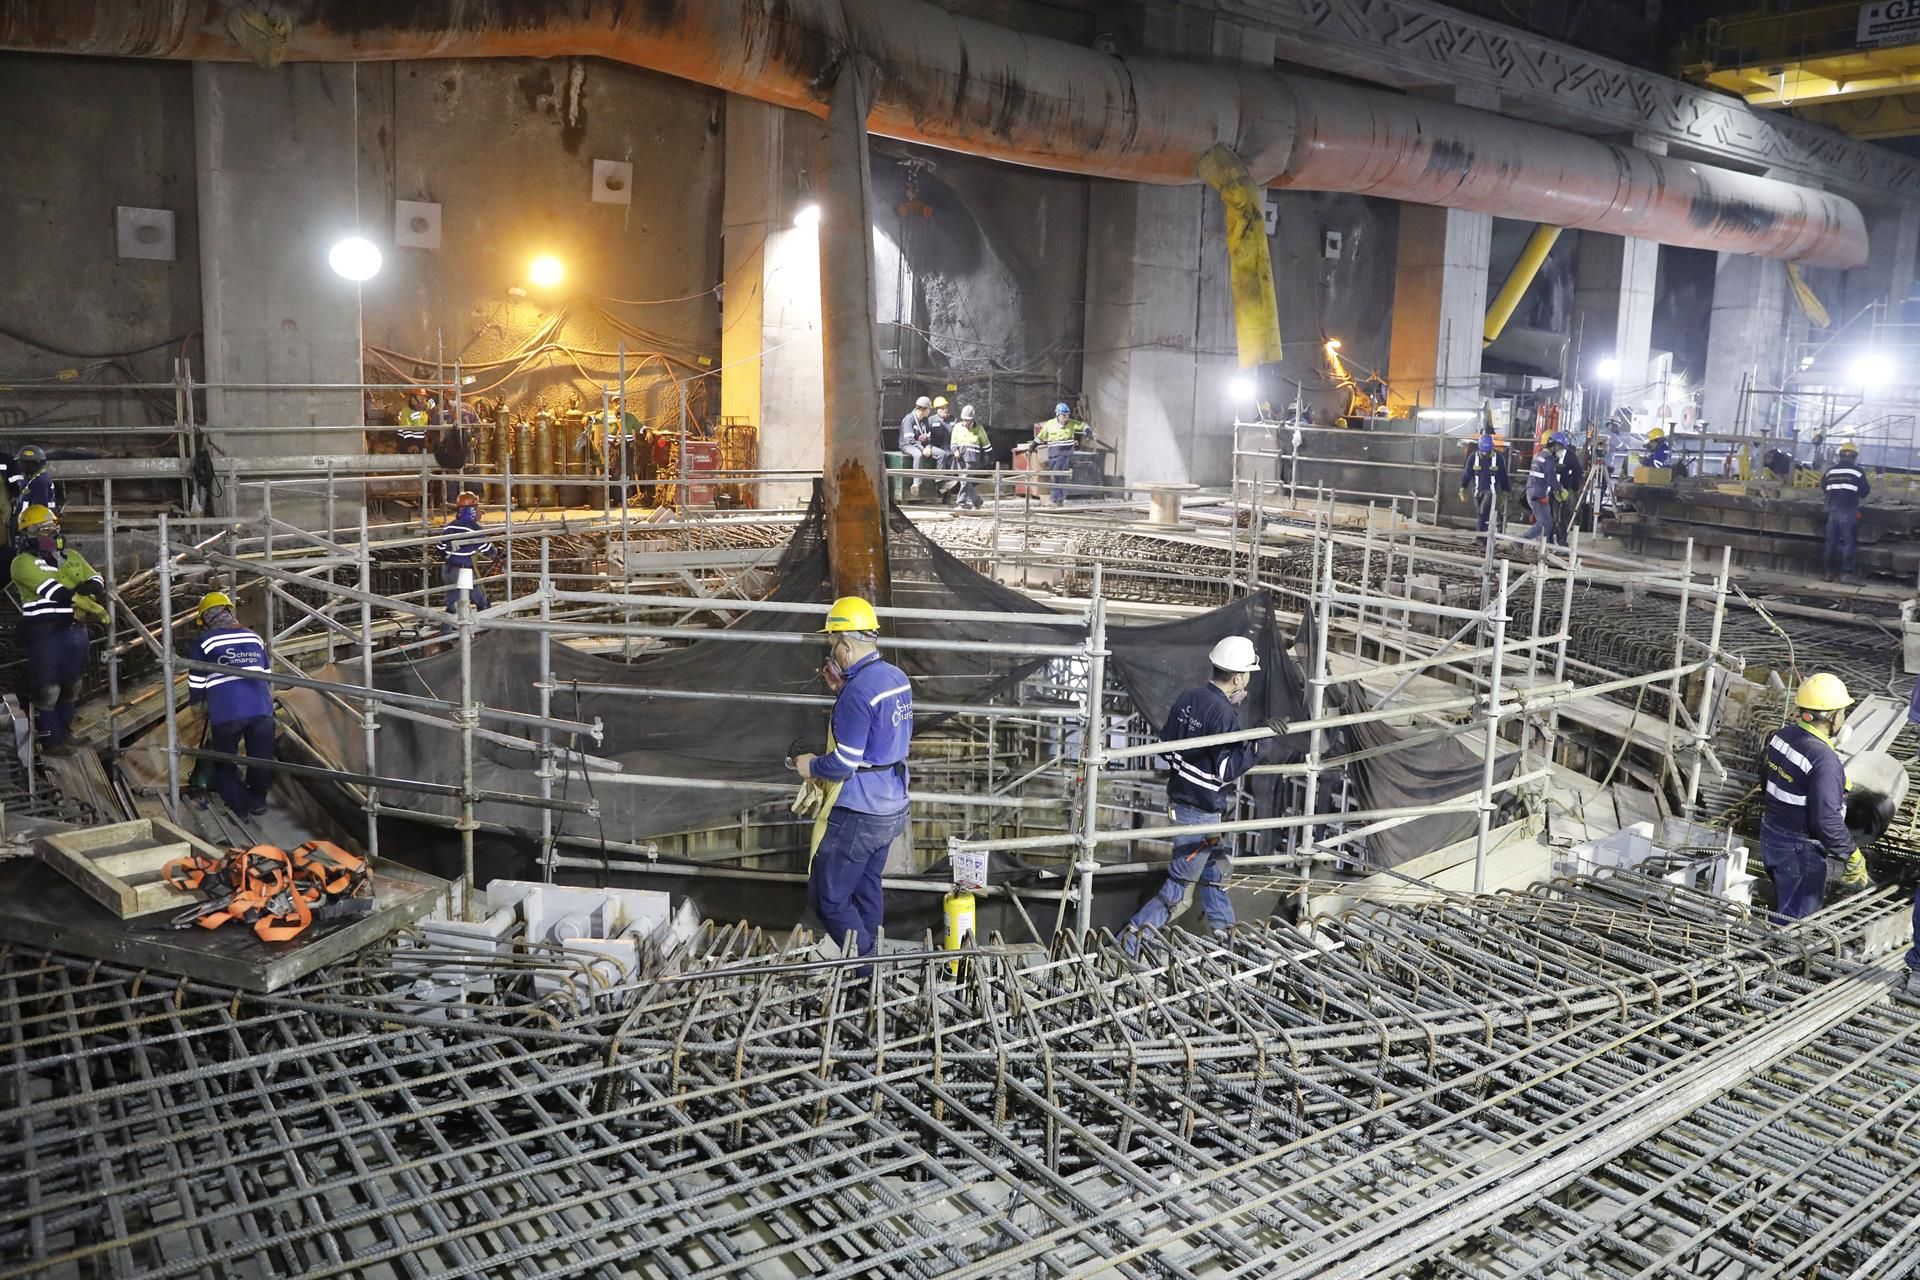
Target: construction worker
{"type": "Point", "coordinates": [915, 432]}
{"type": "Point", "coordinates": [1199, 789]}
{"type": "Point", "coordinates": [33, 484]}
{"type": "Point", "coordinates": [1804, 822]}
{"type": "Point", "coordinates": [414, 421]}
{"type": "Point", "coordinates": [970, 448]}
{"type": "Point", "coordinates": [863, 804]}
{"type": "Point", "coordinates": [621, 432]}
{"type": "Point", "coordinates": [1846, 488]}
{"type": "Point", "coordinates": [1543, 481]}
{"type": "Point", "coordinates": [943, 436]}
{"type": "Point", "coordinates": [1059, 434]}
{"type": "Point", "coordinates": [57, 588]}
{"type": "Point", "coordinates": [1483, 480]}
{"type": "Point", "coordinates": [461, 540]}
{"type": "Point", "coordinates": [1659, 450]}
{"type": "Point", "coordinates": [1571, 480]}
{"type": "Point", "coordinates": [239, 706]}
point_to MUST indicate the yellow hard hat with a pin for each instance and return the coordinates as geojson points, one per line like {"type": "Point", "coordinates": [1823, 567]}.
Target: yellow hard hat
{"type": "Point", "coordinates": [851, 613]}
{"type": "Point", "coordinates": [1656, 434]}
{"type": "Point", "coordinates": [1848, 446]}
{"type": "Point", "coordinates": [939, 402]}
{"type": "Point", "coordinates": [34, 516]}
{"type": "Point", "coordinates": [211, 601]}
{"type": "Point", "coordinates": [1822, 691]}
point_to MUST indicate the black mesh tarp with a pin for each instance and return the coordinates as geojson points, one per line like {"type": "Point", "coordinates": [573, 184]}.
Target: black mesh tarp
{"type": "Point", "coordinates": [733, 739]}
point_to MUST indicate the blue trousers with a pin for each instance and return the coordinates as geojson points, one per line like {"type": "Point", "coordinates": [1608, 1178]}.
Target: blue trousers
{"type": "Point", "coordinates": [1799, 870]}
{"type": "Point", "coordinates": [1484, 504]}
{"type": "Point", "coordinates": [450, 574]}
{"type": "Point", "coordinates": [1060, 462]}
{"type": "Point", "coordinates": [1542, 517]}
{"type": "Point", "coordinates": [1843, 542]}
{"type": "Point", "coordinates": [843, 885]}
{"type": "Point", "coordinates": [1201, 861]}
{"type": "Point", "coordinates": [256, 733]}
{"type": "Point", "coordinates": [56, 660]}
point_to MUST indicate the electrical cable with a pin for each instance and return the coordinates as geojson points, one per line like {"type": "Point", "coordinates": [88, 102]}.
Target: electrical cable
{"type": "Point", "coordinates": [27, 341]}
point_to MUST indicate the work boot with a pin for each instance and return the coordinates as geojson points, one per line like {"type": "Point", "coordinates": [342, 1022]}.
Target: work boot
{"type": "Point", "coordinates": [1912, 980]}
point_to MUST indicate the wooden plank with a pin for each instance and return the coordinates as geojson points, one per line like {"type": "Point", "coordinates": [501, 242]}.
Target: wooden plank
{"type": "Point", "coordinates": [119, 865]}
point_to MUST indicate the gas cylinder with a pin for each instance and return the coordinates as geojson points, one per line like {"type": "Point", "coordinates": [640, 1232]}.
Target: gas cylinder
{"type": "Point", "coordinates": [958, 907]}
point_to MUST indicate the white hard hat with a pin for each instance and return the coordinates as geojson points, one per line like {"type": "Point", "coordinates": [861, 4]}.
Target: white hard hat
{"type": "Point", "coordinates": [923, 403]}
{"type": "Point", "coordinates": [1235, 653]}
{"type": "Point", "coordinates": [966, 413]}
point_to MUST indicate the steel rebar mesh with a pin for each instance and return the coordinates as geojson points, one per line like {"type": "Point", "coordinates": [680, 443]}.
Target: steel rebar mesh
{"type": "Point", "coordinates": [1263, 1107]}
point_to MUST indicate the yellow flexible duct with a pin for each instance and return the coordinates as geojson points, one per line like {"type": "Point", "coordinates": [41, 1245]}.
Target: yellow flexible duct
{"type": "Point", "coordinates": [1256, 309]}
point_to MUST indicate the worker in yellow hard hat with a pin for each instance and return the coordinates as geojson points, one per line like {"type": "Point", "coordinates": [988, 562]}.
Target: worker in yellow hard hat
{"type": "Point", "coordinates": [1846, 488]}
{"type": "Point", "coordinates": [860, 804]}
{"type": "Point", "coordinates": [239, 702]}
{"type": "Point", "coordinates": [1804, 822]}
{"type": "Point", "coordinates": [58, 591]}
{"type": "Point", "coordinates": [1659, 450]}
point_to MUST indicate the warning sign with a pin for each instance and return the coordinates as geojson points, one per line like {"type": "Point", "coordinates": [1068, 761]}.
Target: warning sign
{"type": "Point", "coordinates": [1889, 22]}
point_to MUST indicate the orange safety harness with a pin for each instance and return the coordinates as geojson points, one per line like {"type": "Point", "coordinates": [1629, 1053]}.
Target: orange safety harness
{"type": "Point", "coordinates": [280, 894]}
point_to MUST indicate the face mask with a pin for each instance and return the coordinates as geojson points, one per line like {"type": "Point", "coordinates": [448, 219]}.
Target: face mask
{"type": "Point", "coordinates": [49, 543]}
{"type": "Point", "coordinates": [1238, 696]}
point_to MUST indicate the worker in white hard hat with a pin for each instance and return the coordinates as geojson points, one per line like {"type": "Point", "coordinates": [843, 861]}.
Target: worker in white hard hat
{"type": "Point", "coordinates": [1804, 823]}
{"type": "Point", "coordinates": [1200, 789]}
{"type": "Point", "coordinates": [1846, 488]}
{"type": "Point", "coordinates": [970, 448]}
{"type": "Point", "coordinates": [917, 431]}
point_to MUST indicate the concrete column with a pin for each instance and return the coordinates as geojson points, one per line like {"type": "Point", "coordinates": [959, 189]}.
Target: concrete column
{"type": "Point", "coordinates": [1613, 279]}
{"type": "Point", "coordinates": [1747, 335]}
{"type": "Point", "coordinates": [855, 485]}
{"type": "Point", "coordinates": [770, 349]}
{"type": "Point", "coordinates": [274, 154]}
{"type": "Point", "coordinates": [1440, 296]}
{"type": "Point", "coordinates": [1439, 308]}
{"type": "Point", "coordinates": [1160, 348]}
{"type": "Point", "coordinates": [1892, 237]}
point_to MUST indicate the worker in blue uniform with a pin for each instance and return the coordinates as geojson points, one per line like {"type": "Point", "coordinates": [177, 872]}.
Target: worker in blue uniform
{"type": "Point", "coordinates": [1659, 450]}
{"type": "Point", "coordinates": [861, 777]}
{"type": "Point", "coordinates": [1199, 789]}
{"type": "Point", "coordinates": [239, 705]}
{"type": "Point", "coordinates": [1804, 822]}
{"type": "Point", "coordinates": [33, 485]}
{"type": "Point", "coordinates": [57, 590]}
{"type": "Point", "coordinates": [1845, 485]}
{"type": "Point", "coordinates": [462, 538]}
{"type": "Point", "coordinates": [1571, 480]}
{"type": "Point", "coordinates": [1543, 481]}
{"type": "Point", "coordinates": [1483, 480]}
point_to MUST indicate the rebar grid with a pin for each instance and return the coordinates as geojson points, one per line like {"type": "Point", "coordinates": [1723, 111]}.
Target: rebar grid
{"type": "Point", "coordinates": [1255, 1106]}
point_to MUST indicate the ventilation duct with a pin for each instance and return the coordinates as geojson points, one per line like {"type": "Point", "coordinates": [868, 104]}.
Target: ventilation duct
{"type": "Point", "coordinates": [974, 87]}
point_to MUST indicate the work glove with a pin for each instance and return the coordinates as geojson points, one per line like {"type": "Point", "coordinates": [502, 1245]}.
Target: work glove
{"type": "Point", "coordinates": [808, 799]}
{"type": "Point", "coordinates": [73, 570]}
{"type": "Point", "coordinates": [1564, 495]}
{"type": "Point", "coordinates": [1463, 495]}
{"type": "Point", "coordinates": [89, 609]}
{"type": "Point", "coordinates": [1853, 878]}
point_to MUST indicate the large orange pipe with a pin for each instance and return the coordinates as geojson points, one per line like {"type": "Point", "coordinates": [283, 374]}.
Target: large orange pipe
{"type": "Point", "coordinates": [970, 86]}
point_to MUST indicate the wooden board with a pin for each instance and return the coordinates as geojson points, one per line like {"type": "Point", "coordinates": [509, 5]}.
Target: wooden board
{"type": "Point", "coordinates": [119, 866]}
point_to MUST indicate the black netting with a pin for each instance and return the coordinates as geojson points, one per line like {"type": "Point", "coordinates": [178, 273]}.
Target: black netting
{"type": "Point", "coordinates": [737, 740]}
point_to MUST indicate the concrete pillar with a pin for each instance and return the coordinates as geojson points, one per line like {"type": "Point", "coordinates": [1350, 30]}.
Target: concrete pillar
{"type": "Point", "coordinates": [855, 485]}
{"type": "Point", "coordinates": [1160, 348]}
{"type": "Point", "coordinates": [274, 155]}
{"type": "Point", "coordinates": [1893, 234]}
{"type": "Point", "coordinates": [770, 348]}
{"type": "Point", "coordinates": [1747, 335]}
{"type": "Point", "coordinates": [1439, 308]}
{"type": "Point", "coordinates": [1613, 279]}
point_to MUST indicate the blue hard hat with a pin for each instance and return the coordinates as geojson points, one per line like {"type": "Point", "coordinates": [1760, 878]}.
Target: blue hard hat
{"type": "Point", "coordinates": [1558, 437]}
{"type": "Point", "coordinates": [1063, 407]}
{"type": "Point", "coordinates": [1486, 443]}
